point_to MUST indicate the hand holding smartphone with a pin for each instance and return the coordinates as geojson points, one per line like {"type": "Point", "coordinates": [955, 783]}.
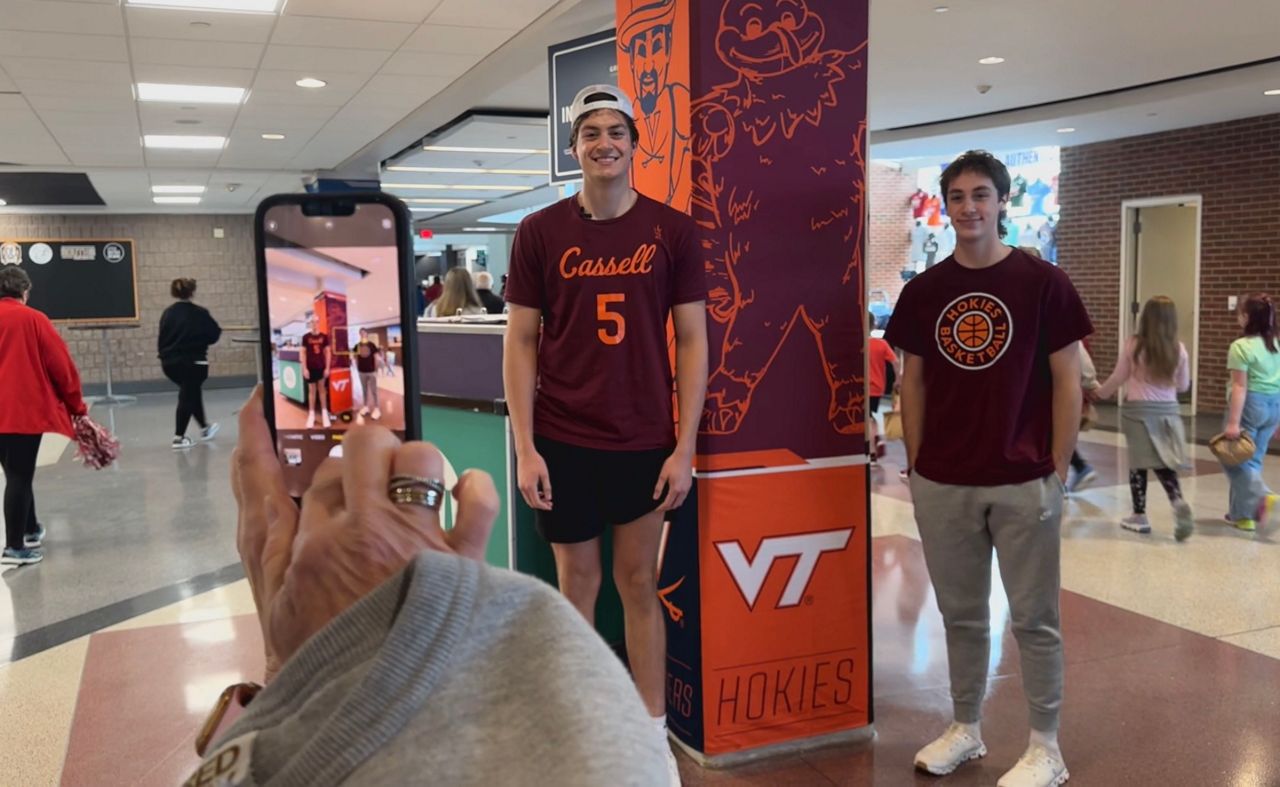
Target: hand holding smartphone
{"type": "Point", "coordinates": [335, 300]}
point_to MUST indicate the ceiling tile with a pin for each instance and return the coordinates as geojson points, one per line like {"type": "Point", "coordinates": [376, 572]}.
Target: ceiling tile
{"type": "Point", "coordinates": [340, 33]}
{"type": "Point", "coordinates": [430, 64]}
{"type": "Point", "coordinates": [112, 139]}
{"type": "Point", "coordinates": [456, 40]}
{"type": "Point", "coordinates": [176, 52]}
{"type": "Point", "coordinates": [6, 84]}
{"type": "Point", "coordinates": [309, 59]}
{"type": "Point", "coordinates": [156, 115]}
{"type": "Point", "coordinates": [119, 90]}
{"type": "Point", "coordinates": [60, 119]}
{"type": "Point", "coordinates": [70, 70]}
{"type": "Point", "coordinates": [23, 138]}
{"type": "Point", "coordinates": [66, 46]}
{"type": "Point", "coordinates": [186, 159]}
{"type": "Point", "coordinates": [509, 14]}
{"type": "Point", "coordinates": [268, 117]}
{"type": "Point", "coordinates": [177, 23]}
{"type": "Point", "coordinates": [187, 75]}
{"type": "Point", "coordinates": [95, 103]}
{"type": "Point", "coordinates": [97, 157]}
{"type": "Point", "coordinates": [376, 10]}
{"type": "Point", "coordinates": [52, 17]}
{"type": "Point", "coordinates": [411, 91]}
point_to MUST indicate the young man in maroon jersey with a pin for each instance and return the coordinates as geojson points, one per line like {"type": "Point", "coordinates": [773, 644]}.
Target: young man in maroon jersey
{"type": "Point", "coordinates": [590, 403]}
{"type": "Point", "coordinates": [317, 352]}
{"type": "Point", "coordinates": [990, 408]}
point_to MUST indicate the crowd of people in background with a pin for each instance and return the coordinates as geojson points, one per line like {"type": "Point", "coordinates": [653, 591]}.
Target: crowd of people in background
{"type": "Point", "coordinates": [460, 294]}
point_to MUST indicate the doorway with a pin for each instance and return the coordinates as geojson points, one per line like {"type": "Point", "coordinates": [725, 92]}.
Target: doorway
{"type": "Point", "coordinates": [1160, 255]}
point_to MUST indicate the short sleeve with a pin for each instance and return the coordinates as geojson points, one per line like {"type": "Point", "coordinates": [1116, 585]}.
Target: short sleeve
{"type": "Point", "coordinates": [690, 280]}
{"type": "Point", "coordinates": [525, 283]}
{"type": "Point", "coordinates": [904, 329]}
{"type": "Point", "coordinates": [1065, 319]}
{"type": "Point", "coordinates": [1238, 356]}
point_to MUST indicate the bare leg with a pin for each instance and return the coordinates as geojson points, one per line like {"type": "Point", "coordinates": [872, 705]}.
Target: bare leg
{"type": "Point", "coordinates": [635, 572]}
{"type": "Point", "coordinates": [578, 572]}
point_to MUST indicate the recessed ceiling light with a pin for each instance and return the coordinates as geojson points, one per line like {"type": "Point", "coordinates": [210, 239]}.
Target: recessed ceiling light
{"type": "Point", "coordinates": [182, 142]}
{"type": "Point", "coordinates": [942, 9]}
{"type": "Point", "coordinates": [480, 229]}
{"type": "Point", "coordinates": [176, 200]}
{"type": "Point", "coordinates": [1275, 92]}
{"type": "Point", "coordinates": [201, 23]}
{"type": "Point", "coordinates": [440, 201]}
{"type": "Point", "coordinates": [470, 170]}
{"type": "Point", "coordinates": [3, 203]}
{"type": "Point", "coordinates": [447, 149]}
{"type": "Point", "coordinates": [273, 136]}
{"type": "Point", "coordinates": [177, 189]}
{"type": "Point", "coordinates": [194, 94]}
{"type": "Point", "coordinates": [240, 6]}
{"type": "Point", "coordinates": [187, 122]}
{"type": "Point", "coordinates": [1066, 129]}
{"type": "Point", "coordinates": [443, 187]}
{"type": "Point", "coordinates": [991, 61]}
{"type": "Point", "coordinates": [310, 82]}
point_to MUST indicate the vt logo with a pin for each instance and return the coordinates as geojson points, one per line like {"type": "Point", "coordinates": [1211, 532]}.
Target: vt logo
{"type": "Point", "coordinates": [750, 574]}
{"type": "Point", "coordinates": [340, 385]}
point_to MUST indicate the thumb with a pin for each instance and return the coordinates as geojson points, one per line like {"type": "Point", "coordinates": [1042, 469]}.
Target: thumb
{"type": "Point", "coordinates": [662, 482]}
{"type": "Point", "coordinates": [477, 500]}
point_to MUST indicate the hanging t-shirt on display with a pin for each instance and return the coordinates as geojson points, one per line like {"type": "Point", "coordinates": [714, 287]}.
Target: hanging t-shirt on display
{"type": "Point", "coordinates": [946, 241]}
{"type": "Point", "coordinates": [1049, 240]}
{"type": "Point", "coordinates": [1011, 233]}
{"type": "Point", "coordinates": [933, 211]}
{"type": "Point", "coordinates": [930, 250]}
{"type": "Point", "coordinates": [1038, 191]}
{"type": "Point", "coordinates": [919, 233]}
{"type": "Point", "coordinates": [1018, 191]}
{"type": "Point", "coordinates": [917, 203]}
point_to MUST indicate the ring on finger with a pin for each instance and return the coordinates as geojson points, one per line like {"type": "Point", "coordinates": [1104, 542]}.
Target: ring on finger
{"type": "Point", "coordinates": [416, 490]}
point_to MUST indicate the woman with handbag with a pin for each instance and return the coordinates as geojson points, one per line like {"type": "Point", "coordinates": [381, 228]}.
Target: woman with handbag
{"type": "Point", "coordinates": [1153, 368]}
{"type": "Point", "coordinates": [1253, 410]}
{"type": "Point", "coordinates": [40, 387]}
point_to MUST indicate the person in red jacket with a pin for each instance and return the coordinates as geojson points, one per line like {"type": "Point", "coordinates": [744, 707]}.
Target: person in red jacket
{"type": "Point", "coordinates": [40, 388]}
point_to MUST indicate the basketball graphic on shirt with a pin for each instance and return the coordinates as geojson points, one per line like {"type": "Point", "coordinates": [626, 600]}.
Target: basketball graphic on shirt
{"type": "Point", "coordinates": [974, 330]}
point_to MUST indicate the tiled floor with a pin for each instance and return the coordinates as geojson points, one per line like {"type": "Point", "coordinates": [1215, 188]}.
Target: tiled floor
{"type": "Point", "coordinates": [1173, 650]}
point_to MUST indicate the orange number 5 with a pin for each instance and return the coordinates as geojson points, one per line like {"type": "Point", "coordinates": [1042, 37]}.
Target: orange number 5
{"type": "Point", "coordinates": [604, 315]}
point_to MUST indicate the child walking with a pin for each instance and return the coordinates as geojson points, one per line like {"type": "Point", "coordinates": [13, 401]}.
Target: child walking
{"type": "Point", "coordinates": [1153, 369]}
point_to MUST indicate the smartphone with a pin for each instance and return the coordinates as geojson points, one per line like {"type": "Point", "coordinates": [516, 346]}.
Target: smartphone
{"type": "Point", "coordinates": [339, 330]}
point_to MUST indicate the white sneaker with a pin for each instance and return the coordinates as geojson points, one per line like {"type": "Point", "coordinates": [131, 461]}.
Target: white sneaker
{"type": "Point", "coordinates": [324, 419]}
{"type": "Point", "coordinates": [673, 768]}
{"type": "Point", "coordinates": [376, 413]}
{"type": "Point", "coordinates": [311, 420]}
{"type": "Point", "coordinates": [954, 748]}
{"type": "Point", "coordinates": [1138, 523]}
{"type": "Point", "coordinates": [364, 411]}
{"type": "Point", "coordinates": [210, 431]}
{"type": "Point", "coordinates": [1038, 767]}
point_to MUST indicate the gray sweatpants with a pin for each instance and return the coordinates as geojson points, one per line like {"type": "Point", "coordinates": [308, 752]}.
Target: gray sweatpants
{"type": "Point", "coordinates": [959, 526]}
{"type": "Point", "coordinates": [369, 386]}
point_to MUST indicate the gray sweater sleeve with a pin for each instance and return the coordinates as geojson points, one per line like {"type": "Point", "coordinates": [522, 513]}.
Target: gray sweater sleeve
{"type": "Point", "coordinates": [452, 673]}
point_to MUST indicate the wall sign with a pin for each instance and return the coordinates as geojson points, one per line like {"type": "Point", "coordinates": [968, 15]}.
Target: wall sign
{"type": "Point", "coordinates": [591, 60]}
{"type": "Point", "coordinates": [78, 281]}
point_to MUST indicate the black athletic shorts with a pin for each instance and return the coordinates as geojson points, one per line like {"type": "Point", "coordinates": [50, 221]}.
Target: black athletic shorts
{"type": "Point", "coordinates": [874, 403]}
{"type": "Point", "coordinates": [592, 488]}
{"type": "Point", "coordinates": [314, 375]}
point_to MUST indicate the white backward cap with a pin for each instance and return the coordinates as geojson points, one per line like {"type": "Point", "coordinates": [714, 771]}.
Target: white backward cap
{"type": "Point", "coordinates": [616, 99]}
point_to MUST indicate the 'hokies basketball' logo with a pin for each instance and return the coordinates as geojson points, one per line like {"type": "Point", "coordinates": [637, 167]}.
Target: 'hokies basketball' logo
{"type": "Point", "coordinates": [974, 330]}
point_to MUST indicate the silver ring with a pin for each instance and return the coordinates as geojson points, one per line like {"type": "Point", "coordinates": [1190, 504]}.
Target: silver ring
{"type": "Point", "coordinates": [408, 489]}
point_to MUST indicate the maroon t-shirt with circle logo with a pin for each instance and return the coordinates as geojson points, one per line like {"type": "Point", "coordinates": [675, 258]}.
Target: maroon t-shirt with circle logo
{"type": "Point", "coordinates": [605, 290]}
{"type": "Point", "coordinates": [985, 337]}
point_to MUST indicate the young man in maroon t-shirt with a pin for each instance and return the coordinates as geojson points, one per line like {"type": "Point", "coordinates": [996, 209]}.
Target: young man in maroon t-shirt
{"type": "Point", "coordinates": [317, 356]}
{"type": "Point", "coordinates": [590, 403]}
{"type": "Point", "coordinates": [990, 408]}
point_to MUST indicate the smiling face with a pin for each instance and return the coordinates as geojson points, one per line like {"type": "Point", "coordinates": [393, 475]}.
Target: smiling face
{"type": "Point", "coordinates": [604, 146]}
{"type": "Point", "coordinates": [974, 205]}
{"type": "Point", "coordinates": [768, 37]}
{"type": "Point", "coordinates": [650, 57]}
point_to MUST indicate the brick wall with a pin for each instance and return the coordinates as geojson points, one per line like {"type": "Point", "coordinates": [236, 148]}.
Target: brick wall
{"type": "Point", "coordinates": [889, 227]}
{"type": "Point", "coordinates": [167, 246]}
{"type": "Point", "coordinates": [1235, 167]}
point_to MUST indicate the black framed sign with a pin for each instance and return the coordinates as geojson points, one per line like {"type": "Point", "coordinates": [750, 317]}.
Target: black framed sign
{"type": "Point", "coordinates": [590, 60]}
{"type": "Point", "coordinates": [78, 281]}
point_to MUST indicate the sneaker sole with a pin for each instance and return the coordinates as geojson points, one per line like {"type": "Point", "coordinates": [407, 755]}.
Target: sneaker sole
{"type": "Point", "coordinates": [978, 753]}
{"type": "Point", "coordinates": [1141, 529]}
{"type": "Point", "coordinates": [204, 438]}
{"type": "Point", "coordinates": [182, 447]}
{"type": "Point", "coordinates": [14, 561]}
{"type": "Point", "coordinates": [1058, 781]}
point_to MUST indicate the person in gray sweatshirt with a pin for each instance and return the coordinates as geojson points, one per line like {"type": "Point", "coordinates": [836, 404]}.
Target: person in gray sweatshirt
{"type": "Point", "coordinates": [394, 655]}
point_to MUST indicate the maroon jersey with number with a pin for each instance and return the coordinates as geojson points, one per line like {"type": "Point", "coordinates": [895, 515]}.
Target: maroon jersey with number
{"type": "Point", "coordinates": [605, 290]}
{"type": "Point", "coordinates": [315, 344]}
{"type": "Point", "coordinates": [985, 337]}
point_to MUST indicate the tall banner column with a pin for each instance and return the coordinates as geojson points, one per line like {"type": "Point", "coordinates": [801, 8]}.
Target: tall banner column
{"type": "Point", "coordinates": [752, 118]}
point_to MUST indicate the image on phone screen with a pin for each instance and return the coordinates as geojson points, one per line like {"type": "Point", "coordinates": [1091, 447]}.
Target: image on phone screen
{"type": "Point", "coordinates": [334, 305]}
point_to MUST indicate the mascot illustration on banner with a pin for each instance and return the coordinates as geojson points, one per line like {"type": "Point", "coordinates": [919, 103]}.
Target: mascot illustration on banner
{"type": "Point", "coordinates": [781, 259]}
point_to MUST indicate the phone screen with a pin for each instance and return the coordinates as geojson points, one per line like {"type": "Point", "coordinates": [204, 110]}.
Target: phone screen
{"type": "Point", "coordinates": [334, 303]}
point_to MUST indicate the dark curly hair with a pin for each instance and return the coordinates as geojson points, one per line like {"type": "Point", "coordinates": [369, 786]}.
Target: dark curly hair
{"type": "Point", "coordinates": [980, 162]}
{"type": "Point", "coordinates": [183, 289]}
